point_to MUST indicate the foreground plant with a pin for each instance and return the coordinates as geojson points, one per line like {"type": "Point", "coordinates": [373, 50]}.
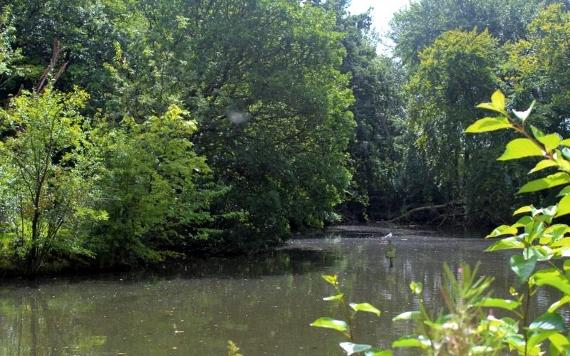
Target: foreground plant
{"type": "Point", "coordinates": [346, 327]}
{"type": "Point", "coordinates": [543, 245]}
{"type": "Point", "coordinates": [465, 328]}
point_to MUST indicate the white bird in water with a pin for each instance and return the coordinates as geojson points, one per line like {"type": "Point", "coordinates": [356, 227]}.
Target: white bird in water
{"type": "Point", "coordinates": [387, 237]}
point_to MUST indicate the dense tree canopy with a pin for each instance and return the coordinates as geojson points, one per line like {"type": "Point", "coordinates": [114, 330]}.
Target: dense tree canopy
{"type": "Point", "coordinates": [137, 130]}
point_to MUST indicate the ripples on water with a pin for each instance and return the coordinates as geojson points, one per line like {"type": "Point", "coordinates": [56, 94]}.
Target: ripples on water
{"type": "Point", "coordinates": [263, 304]}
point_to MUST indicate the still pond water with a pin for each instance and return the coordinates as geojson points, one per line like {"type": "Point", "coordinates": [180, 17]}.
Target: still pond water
{"type": "Point", "coordinates": [263, 304]}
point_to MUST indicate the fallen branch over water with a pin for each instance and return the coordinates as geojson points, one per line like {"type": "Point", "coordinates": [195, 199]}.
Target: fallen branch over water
{"type": "Point", "coordinates": [433, 207]}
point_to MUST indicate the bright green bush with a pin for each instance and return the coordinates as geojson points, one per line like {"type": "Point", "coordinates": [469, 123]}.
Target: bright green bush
{"type": "Point", "coordinates": [46, 179]}
{"type": "Point", "coordinates": [153, 187]}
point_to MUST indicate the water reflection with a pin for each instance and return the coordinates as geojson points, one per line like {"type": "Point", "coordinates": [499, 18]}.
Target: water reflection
{"type": "Point", "coordinates": [264, 304]}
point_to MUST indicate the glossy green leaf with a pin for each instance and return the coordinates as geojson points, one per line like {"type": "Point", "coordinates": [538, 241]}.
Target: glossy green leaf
{"type": "Point", "coordinates": [522, 210]}
{"type": "Point", "coordinates": [329, 323]}
{"type": "Point", "coordinates": [550, 181]}
{"type": "Point", "coordinates": [548, 322]}
{"type": "Point", "coordinates": [565, 142]}
{"type": "Point", "coordinates": [538, 337]}
{"type": "Point", "coordinates": [406, 342]}
{"type": "Point", "coordinates": [497, 104]}
{"type": "Point", "coordinates": [498, 100]}
{"type": "Point", "coordinates": [522, 267]}
{"type": "Point", "coordinates": [566, 154]}
{"type": "Point", "coordinates": [560, 342]}
{"type": "Point", "coordinates": [506, 244]}
{"type": "Point", "coordinates": [545, 163]}
{"type": "Point", "coordinates": [352, 348]}
{"type": "Point", "coordinates": [500, 303]}
{"type": "Point", "coordinates": [562, 242]}
{"type": "Point", "coordinates": [541, 253]}
{"type": "Point", "coordinates": [503, 230]}
{"type": "Point", "coordinates": [378, 352]}
{"type": "Point", "coordinates": [489, 124]}
{"type": "Point", "coordinates": [330, 279]}
{"type": "Point", "coordinates": [564, 191]}
{"type": "Point", "coordinates": [536, 132]}
{"type": "Point", "coordinates": [520, 148]}
{"type": "Point", "coordinates": [365, 307]}
{"type": "Point", "coordinates": [556, 232]}
{"type": "Point", "coordinates": [563, 206]}
{"type": "Point", "coordinates": [524, 221]}
{"type": "Point", "coordinates": [551, 141]}
{"type": "Point", "coordinates": [552, 277]}
{"type": "Point", "coordinates": [559, 303]}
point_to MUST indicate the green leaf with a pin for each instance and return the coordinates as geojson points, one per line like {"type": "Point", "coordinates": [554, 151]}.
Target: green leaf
{"type": "Point", "coordinates": [545, 163]}
{"type": "Point", "coordinates": [522, 210]}
{"type": "Point", "coordinates": [563, 206]}
{"type": "Point", "coordinates": [503, 230]}
{"type": "Point", "coordinates": [548, 322]}
{"type": "Point", "coordinates": [351, 348]}
{"type": "Point", "coordinates": [565, 152]}
{"type": "Point", "coordinates": [520, 148]}
{"type": "Point", "coordinates": [551, 141]}
{"type": "Point", "coordinates": [378, 352]}
{"type": "Point", "coordinates": [334, 297]}
{"type": "Point", "coordinates": [329, 323]}
{"type": "Point", "coordinates": [552, 277]}
{"type": "Point", "coordinates": [489, 124]}
{"type": "Point", "coordinates": [498, 100]}
{"type": "Point", "coordinates": [564, 191]}
{"type": "Point", "coordinates": [416, 287]}
{"type": "Point", "coordinates": [565, 142]}
{"type": "Point", "coordinates": [331, 279]}
{"type": "Point", "coordinates": [525, 220]}
{"type": "Point", "coordinates": [407, 341]}
{"type": "Point", "coordinates": [523, 115]}
{"type": "Point", "coordinates": [410, 315]}
{"type": "Point", "coordinates": [497, 103]}
{"type": "Point", "coordinates": [560, 342]}
{"type": "Point", "coordinates": [537, 338]}
{"type": "Point", "coordinates": [522, 267]}
{"type": "Point", "coordinates": [555, 232]}
{"type": "Point", "coordinates": [561, 302]}
{"type": "Point", "coordinates": [550, 181]}
{"type": "Point", "coordinates": [536, 132]}
{"type": "Point", "coordinates": [506, 244]}
{"type": "Point", "coordinates": [365, 307]}
{"type": "Point", "coordinates": [506, 304]}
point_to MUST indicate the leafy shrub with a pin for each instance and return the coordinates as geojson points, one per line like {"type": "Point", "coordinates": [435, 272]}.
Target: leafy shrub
{"type": "Point", "coordinates": [46, 178]}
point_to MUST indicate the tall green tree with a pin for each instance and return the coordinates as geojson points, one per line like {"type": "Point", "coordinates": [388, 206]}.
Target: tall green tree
{"type": "Point", "coordinates": [537, 68]}
{"type": "Point", "coordinates": [153, 187]}
{"type": "Point", "coordinates": [417, 26]}
{"type": "Point", "coordinates": [453, 75]}
{"type": "Point", "coordinates": [271, 102]}
{"type": "Point", "coordinates": [46, 178]}
{"type": "Point", "coordinates": [66, 42]}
